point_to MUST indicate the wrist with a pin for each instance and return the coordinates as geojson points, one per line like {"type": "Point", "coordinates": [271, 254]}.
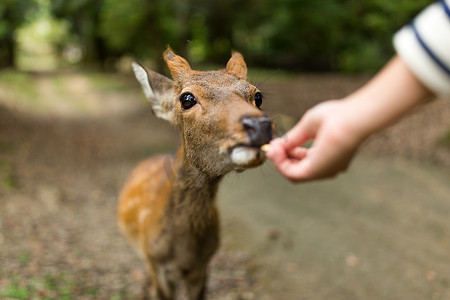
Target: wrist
{"type": "Point", "coordinates": [393, 92]}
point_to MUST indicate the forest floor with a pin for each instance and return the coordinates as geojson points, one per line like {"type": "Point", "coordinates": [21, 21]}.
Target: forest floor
{"type": "Point", "coordinates": [69, 139]}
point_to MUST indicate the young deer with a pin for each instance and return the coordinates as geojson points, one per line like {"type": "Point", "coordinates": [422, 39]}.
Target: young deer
{"type": "Point", "coordinates": [170, 214]}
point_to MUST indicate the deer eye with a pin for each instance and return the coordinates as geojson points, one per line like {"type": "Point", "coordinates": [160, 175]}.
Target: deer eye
{"type": "Point", "coordinates": [187, 100]}
{"type": "Point", "coordinates": [258, 99]}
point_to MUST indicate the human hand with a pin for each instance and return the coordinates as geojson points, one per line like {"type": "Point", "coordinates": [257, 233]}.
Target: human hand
{"type": "Point", "coordinates": [339, 127]}
{"type": "Point", "coordinates": [337, 131]}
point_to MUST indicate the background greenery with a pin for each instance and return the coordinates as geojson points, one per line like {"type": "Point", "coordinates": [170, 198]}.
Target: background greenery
{"type": "Point", "coordinates": [306, 35]}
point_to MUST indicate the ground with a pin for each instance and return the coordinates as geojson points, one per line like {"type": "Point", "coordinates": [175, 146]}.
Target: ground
{"type": "Point", "coordinates": [69, 139]}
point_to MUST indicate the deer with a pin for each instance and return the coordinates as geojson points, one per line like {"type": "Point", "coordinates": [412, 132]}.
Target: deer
{"type": "Point", "coordinates": [167, 207]}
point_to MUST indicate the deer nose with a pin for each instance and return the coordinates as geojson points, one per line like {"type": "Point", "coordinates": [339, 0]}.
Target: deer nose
{"type": "Point", "coordinates": [259, 130]}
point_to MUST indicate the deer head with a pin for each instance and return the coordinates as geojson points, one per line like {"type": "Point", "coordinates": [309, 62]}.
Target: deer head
{"type": "Point", "coordinates": [217, 112]}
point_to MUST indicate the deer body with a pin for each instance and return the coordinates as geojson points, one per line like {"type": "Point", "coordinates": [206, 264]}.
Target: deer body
{"type": "Point", "coordinates": [167, 208]}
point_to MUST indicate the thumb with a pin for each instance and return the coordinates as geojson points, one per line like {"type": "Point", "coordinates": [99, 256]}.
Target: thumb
{"type": "Point", "coordinates": [303, 131]}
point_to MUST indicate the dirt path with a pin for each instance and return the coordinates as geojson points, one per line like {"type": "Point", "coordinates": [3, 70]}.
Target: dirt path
{"type": "Point", "coordinates": [379, 232]}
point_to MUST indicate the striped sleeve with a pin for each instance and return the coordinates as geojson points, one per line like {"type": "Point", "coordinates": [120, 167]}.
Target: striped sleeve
{"type": "Point", "coordinates": [424, 45]}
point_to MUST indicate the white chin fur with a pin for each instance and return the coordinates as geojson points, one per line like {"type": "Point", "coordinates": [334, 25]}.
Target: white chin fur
{"type": "Point", "coordinates": [243, 155]}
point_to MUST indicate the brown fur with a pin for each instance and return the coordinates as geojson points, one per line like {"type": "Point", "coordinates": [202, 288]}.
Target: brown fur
{"type": "Point", "coordinates": [167, 208]}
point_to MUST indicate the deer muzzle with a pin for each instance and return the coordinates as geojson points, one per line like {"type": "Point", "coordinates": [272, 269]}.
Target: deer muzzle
{"type": "Point", "coordinates": [258, 130]}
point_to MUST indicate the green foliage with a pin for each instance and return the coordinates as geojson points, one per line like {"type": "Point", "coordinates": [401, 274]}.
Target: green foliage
{"type": "Point", "coordinates": [347, 35]}
{"type": "Point", "coordinates": [15, 290]}
{"type": "Point", "coordinates": [335, 34]}
{"type": "Point", "coordinates": [83, 17]}
{"type": "Point", "coordinates": [120, 34]}
{"type": "Point", "coordinates": [46, 286]}
{"type": "Point", "coordinates": [145, 27]}
{"type": "Point", "coordinates": [13, 14]}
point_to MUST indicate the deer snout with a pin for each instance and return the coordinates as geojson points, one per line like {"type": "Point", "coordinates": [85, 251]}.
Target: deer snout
{"type": "Point", "coordinates": [258, 130]}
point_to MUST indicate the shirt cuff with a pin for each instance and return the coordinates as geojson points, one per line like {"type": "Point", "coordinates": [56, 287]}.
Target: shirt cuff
{"type": "Point", "coordinates": [424, 46]}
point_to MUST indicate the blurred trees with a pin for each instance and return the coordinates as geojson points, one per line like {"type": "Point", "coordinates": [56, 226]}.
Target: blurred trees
{"type": "Point", "coordinates": [84, 19]}
{"type": "Point", "coordinates": [13, 14]}
{"type": "Point", "coordinates": [331, 35]}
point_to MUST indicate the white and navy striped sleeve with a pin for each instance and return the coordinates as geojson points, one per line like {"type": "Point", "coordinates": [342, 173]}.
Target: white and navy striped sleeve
{"type": "Point", "coordinates": [424, 45]}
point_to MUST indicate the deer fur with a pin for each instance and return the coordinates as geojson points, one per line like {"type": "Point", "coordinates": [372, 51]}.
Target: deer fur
{"type": "Point", "coordinates": [167, 207]}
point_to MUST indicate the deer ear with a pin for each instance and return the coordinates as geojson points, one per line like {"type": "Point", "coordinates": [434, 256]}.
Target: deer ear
{"type": "Point", "coordinates": [178, 66]}
{"type": "Point", "coordinates": [236, 65]}
{"type": "Point", "coordinates": [159, 90]}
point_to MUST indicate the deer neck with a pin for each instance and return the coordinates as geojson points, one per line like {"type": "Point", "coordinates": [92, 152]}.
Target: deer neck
{"type": "Point", "coordinates": [192, 200]}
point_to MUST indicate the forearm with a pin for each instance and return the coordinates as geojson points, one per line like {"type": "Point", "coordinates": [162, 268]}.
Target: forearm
{"type": "Point", "coordinates": [394, 91]}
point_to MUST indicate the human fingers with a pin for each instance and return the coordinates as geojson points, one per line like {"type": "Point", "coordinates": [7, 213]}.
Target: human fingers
{"type": "Point", "coordinates": [286, 160]}
{"type": "Point", "coordinates": [298, 153]}
{"type": "Point", "coordinates": [276, 152]}
{"type": "Point", "coordinates": [311, 167]}
{"type": "Point", "coordinates": [303, 131]}
{"type": "Point", "coordinates": [325, 159]}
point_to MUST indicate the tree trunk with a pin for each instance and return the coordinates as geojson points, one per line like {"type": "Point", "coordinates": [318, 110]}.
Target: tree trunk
{"type": "Point", "coordinates": [8, 44]}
